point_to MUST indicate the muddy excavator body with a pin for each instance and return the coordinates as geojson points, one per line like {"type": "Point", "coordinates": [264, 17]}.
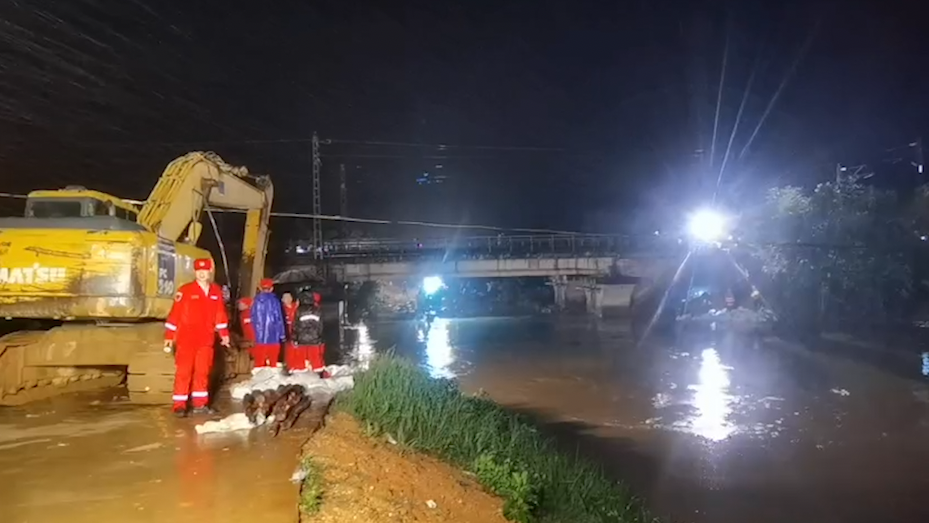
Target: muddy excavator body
{"type": "Point", "coordinates": [98, 276]}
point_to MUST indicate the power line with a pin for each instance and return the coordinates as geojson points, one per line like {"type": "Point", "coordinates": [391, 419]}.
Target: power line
{"type": "Point", "coordinates": [412, 156]}
{"type": "Point", "coordinates": [292, 140]}
{"type": "Point", "coordinates": [337, 218]}
{"type": "Point", "coordinates": [446, 145]}
{"type": "Point", "coordinates": [328, 217]}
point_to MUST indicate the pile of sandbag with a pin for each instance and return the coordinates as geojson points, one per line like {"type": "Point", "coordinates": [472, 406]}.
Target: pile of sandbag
{"type": "Point", "coordinates": [276, 398]}
{"type": "Point", "coordinates": [280, 407]}
{"type": "Point", "coordinates": [340, 378]}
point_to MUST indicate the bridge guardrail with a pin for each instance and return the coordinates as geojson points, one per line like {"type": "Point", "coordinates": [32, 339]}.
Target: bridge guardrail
{"type": "Point", "coordinates": [502, 246]}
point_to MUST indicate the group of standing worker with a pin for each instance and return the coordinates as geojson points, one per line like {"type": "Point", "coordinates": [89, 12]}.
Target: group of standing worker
{"type": "Point", "coordinates": [269, 322]}
{"type": "Point", "coordinates": [199, 314]}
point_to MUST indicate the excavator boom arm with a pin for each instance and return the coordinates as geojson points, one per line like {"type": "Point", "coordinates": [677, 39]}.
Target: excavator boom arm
{"type": "Point", "coordinates": [198, 179]}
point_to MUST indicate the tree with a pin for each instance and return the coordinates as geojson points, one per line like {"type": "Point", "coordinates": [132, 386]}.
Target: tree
{"type": "Point", "coordinates": [842, 253]}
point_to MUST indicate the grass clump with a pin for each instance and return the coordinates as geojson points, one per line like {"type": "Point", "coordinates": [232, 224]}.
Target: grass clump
{"type": "Point", "coordinates": [311, 490]}
{"type": "Point", "coordinates": [507, 454]}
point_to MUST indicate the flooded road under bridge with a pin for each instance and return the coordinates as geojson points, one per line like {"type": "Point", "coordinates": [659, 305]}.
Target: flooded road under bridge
{"type": "Point", "coordinates": [705, 433]}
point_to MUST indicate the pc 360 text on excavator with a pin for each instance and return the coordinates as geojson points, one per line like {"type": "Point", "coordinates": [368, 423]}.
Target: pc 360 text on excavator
{"type": "Point", "coordinates": [95, 276]}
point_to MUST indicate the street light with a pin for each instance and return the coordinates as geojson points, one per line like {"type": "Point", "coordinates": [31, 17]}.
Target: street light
{"type": "Point", "coordinates": [432, 285]}
{"type": "Point", "coordinates": [707, 225]}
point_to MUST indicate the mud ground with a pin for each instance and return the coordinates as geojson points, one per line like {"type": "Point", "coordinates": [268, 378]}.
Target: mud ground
{"type": "Point", "coordinates": [92, 458]}
{"type": "Point", "coordinates": [371, 480]}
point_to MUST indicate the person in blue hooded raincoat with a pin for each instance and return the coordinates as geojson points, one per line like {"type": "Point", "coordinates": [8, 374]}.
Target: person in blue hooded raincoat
{"type": "Point", "coordinates": [268, 322]}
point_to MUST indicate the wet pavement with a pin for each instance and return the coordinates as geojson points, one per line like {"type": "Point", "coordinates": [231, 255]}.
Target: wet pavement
{"type": "Point", "coordinates": [706, 432]}
{"type": "Point", "coordinates": [85, 458]}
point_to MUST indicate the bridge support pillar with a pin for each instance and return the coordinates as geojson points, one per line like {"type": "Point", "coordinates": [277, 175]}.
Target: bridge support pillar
{"type": "Point", "coordinates": [594, 295]}
{"type": "Point", "coordinates": [560, 287]}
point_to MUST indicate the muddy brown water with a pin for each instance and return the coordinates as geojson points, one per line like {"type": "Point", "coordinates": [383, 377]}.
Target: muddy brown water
{"type": "Point", "coordinates": [705, 433]}
{"type": "Point", "coordinates": [89, 458]}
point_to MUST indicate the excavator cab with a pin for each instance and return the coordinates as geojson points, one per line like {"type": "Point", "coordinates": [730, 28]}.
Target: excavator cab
{"type": "Point", "coordinates": [77, 202]}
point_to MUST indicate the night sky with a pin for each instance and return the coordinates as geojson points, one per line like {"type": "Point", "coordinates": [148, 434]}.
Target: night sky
{"type": "Point", "coordinates": [555, 114]}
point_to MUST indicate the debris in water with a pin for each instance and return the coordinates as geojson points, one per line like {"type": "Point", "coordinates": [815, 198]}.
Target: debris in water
{"type": "Point", "coordinates": [661, 400]}
{"type": "Point", "coordinates": [841, 392]}
{"type": "Point", "coordinates": [299, 475]}
{"type": "Point", "coordinates": [231, 423]}
{"type": "Point", "coordinates": [143, 448]}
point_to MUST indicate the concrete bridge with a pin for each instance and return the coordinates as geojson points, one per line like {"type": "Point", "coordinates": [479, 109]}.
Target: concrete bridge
{"type": "Point", "coordinates": [604, 271]}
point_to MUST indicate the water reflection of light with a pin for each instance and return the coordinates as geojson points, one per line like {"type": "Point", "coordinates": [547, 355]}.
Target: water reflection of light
{"type": "Point", "coordinates": [712, 399]}
{"type": "Point", "coordinates": [439, 354]}
{"type": "Point", "coordinates": [363, 350]}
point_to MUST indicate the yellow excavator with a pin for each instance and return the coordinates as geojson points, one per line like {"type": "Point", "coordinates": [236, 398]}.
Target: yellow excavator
{"type": "Point", "coordinates": [96, 275]}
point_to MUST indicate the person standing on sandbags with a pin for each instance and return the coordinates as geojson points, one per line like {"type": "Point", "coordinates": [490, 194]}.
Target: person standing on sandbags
{"type": "Point", "coordinates": [244, 306]}
{"type": "Point", "coordinates": [308, 347]}
{"type": "Point", "coordinates": [268, 323]}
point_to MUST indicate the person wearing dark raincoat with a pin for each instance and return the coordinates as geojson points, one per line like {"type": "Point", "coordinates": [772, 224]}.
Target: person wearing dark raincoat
{"type": "Point", "coordinates": [268, 323]}
{"type": "Point", "coordinates": [307, 343]}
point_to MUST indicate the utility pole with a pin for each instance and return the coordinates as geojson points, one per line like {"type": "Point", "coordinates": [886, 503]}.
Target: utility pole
{"type": "Point", "coordinates": [918, 145]}
{"type": "Point", "coordinates": [343, 194]}
{"type": "Point", "coordinates": [317, 202]}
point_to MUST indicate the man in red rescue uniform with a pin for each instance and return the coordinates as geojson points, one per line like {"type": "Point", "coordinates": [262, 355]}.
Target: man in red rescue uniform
{"type": "Point", "coordinates": [290, 312]}
{"type": "Point", "coordinates": [245, 319]}
{"type": "Point", "coordinates": [197, 315]}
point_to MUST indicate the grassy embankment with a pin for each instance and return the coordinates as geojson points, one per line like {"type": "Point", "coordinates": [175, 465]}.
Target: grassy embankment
{"type": "Point", "coordinates": [505, 453]}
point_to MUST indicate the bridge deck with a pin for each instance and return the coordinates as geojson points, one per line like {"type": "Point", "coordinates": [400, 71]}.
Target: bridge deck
{"type": "Point", "coordinates": [485, 256]}
{"type": "Point", "coordinates": [524, 267]}
{"type": "Point", "coordinates": [525, 246]}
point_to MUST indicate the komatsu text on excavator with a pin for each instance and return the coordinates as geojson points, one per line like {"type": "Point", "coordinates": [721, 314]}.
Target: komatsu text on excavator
{"type": "Point", "coordinates": [98, 275]}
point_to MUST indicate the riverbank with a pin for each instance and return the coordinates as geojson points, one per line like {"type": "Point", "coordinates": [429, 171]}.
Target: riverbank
{"type": "Point", "coordinates": [354, 477]}
{"type": "Point", "coordinates": [396, 401]}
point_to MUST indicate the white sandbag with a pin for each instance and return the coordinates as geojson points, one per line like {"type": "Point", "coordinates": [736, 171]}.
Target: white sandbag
{"type": "Point", "coordinates": [316, 387]}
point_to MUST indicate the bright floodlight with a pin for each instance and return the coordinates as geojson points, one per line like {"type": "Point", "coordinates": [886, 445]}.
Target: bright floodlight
{"type": "Point", "coordinates": [707, 226]}
{"type": "Point", "coordinates": [432, 284]}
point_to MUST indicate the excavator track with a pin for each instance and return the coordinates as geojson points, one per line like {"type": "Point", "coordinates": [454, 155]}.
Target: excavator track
{"type": "Point", "coordinates": [36, 365]}
{"type": "Point", "coordinates": [22, 383]}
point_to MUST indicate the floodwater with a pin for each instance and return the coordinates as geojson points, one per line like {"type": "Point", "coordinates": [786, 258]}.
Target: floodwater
{"type": "Point", "coordinates": [731, 433]}
{"type": "Point", "coordinates": [705, 433]}
{"type": "Point", "coordinates": [86, 458]}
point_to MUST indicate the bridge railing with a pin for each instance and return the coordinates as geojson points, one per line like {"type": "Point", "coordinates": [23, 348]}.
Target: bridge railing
{"type": "Point", "coordinates": [492, 246]}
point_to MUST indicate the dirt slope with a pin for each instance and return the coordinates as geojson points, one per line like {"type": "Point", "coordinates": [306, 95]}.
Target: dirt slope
{"type": "Point", "coordinates": [367, 480]}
